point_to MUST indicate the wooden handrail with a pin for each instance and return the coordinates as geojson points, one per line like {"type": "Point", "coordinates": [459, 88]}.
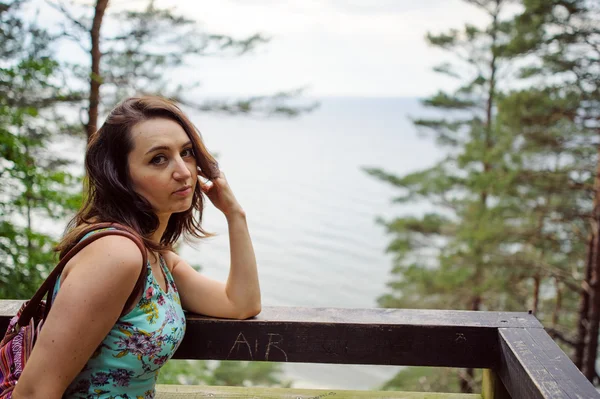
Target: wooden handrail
{"type": "Point", "coordinates": [513, 344]}
{"type": "Point", "coordinates": [354, 336]}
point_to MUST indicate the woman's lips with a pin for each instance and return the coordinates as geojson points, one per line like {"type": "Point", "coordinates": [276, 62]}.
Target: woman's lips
{"type": "Point", "coordinates": [184, 191]}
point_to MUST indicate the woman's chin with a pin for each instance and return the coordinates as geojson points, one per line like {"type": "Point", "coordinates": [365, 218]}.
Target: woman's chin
{"type": "Point", "coordinates": [182, 208]}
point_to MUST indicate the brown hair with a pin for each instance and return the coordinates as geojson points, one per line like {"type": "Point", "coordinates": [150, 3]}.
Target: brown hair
{"type": "Point", "coordinates": [108, 191]}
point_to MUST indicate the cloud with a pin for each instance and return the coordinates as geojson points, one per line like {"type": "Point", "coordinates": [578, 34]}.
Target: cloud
{"type": "Point", "coordinates": [335, 47]}
{"type": "Point", "coordinates": [352, 6]}
{"type": "Point", "coordinates": [374, 7]}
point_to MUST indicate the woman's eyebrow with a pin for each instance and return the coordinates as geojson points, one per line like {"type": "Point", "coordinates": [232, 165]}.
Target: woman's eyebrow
{"type": "Point", "coordinates": [156, 148]}
{"type": "Point", "coordinates": [164, 147]}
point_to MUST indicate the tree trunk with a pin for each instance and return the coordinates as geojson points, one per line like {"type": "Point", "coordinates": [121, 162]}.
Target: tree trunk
{"type": "Point", "coordinates": [584, 306]}
{"type": "Point", "coordinates": [557, 304]}
{"type": "Point", "coordinates": [536, 293]}
{"type": "Point", "coordinates": [591, 337]}
{"type": "Point", "coordinates": [95, 79]}
{"type": "Point", "coordinates": [29, 205]}
{"type": "Point", "coordinates": [466, 380]}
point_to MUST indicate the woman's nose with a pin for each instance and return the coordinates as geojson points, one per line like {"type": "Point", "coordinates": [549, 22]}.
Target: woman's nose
{"type": "Point", "coordinates": [181, 170]}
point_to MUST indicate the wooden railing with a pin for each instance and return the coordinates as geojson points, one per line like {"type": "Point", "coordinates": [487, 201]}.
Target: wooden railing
{"type": "Point", "coordinates": [519, 359]}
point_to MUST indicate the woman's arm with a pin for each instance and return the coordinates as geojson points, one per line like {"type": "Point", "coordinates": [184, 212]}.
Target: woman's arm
{"type": "Point", "coordinates": [239, 297]}
{"type": "Point", "coordinates": [242, 284]}
{"type": "Point", "coordinates": [89, 302]}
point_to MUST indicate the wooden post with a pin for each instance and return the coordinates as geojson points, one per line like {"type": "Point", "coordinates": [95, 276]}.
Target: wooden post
{"type": "Point", "coordinates": [492, 387]}
{"type": "Point", "coordinates": [533, 366]}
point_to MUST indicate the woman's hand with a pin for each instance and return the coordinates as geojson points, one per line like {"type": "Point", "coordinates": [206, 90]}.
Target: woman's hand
{"type": "Point", "coordinates": [221, 196]}
{"type": "Point", "coordinates": [240, 296]}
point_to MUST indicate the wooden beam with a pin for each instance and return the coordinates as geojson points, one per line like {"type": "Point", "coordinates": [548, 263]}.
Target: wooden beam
{"type": "Point", "coordinates": [347, 336]}
{"type": "Point", "coordinates": [354, 336]}
{"type": "Point", "coordinates": [338, 342]}
{"type": "Point", "coordinates": [215, 392]}
{"type": "Point", "coordinates": [381, 316]}
{"type": "Point", "coordinates": [533, 366]}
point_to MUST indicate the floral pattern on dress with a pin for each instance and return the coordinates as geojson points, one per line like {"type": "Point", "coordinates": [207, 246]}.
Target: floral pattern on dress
{"type": "Point", "coordinates": [126, 364]}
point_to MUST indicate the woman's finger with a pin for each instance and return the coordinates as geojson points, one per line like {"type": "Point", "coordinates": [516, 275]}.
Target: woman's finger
{"type": "Point", "coordinates": [206, 187]}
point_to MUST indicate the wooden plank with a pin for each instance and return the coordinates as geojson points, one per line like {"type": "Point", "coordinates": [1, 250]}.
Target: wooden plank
{"type": "Point", "coordinates": [197, 392]}
{"type": "Point", "coordinates": [448, 346]}
{"type": "Point", "coordinates": [561, 367]}
{"type": "Point", "coordinates": [354, 336]}
{"type": "Point", "coordinates": [381, 316]}
{"type": "Point", "coordinates": [378, 316]}
{"type": "Point", "coordinates": [533, 366]}
{"type": "Point", "coordinates": [8, 309]}
{"type": "Point", "coordinates": [492, 387]}
{"type": "Point", "coordinates": [348, 336]}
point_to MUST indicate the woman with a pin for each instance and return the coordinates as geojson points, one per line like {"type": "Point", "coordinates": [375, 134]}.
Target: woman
{"type": "Point", "coordinates": [142, 168]}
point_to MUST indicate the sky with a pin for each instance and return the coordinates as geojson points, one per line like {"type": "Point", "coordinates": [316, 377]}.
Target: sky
{"type": "Point", "coordinates": [337, 48]}
{"type": "Point", "coordinates": [358, 48]}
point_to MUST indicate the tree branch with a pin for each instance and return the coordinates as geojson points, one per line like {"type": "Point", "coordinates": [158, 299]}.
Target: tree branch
{"type": "Point", "coordinates": [60, 7]}
{"type": "Point", "coordinates": [555, 334]}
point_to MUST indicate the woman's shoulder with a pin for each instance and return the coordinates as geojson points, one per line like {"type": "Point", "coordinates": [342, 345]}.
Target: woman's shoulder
{"type": "Point", "coordinates": [107, 254]}
{"type": "Point", "coordinates": [171, 259]}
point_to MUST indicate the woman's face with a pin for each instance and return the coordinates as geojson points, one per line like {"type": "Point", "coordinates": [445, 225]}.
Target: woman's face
{"type": "Point", "coordinates": [162, 165]}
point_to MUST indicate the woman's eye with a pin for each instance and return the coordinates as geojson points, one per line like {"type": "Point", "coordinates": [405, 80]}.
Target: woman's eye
{"type": "Point", "coordinates": [188, 152]}
{"type": "Point", "coordinates": [159, 159]}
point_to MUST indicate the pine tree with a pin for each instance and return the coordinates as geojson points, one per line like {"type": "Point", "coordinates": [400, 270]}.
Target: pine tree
{"type": "Point", "coordinates": [36, 184]}
{"type": "Point", "coordinates": [451, 257]}
{"type": "Point", "coordinates": [538, 228]}
{"type": "Point", "coordinates": [549, 196]}
{"type": "Point", "coordinates": [565, 38]}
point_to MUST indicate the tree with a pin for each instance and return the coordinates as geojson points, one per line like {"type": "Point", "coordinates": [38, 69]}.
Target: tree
{"type": "Point", "coordinates": [550, 193]}
{"type": "Point", "coordinates": [36, 184]}
{"type": "Point", "coordinates": [538, 183]}
{"type": "Point", "coordinates": [451, 256]}
{"type": "Point", "coordinates": [565, 37]}
{"type": "Point", "coordinates": [144, 51]}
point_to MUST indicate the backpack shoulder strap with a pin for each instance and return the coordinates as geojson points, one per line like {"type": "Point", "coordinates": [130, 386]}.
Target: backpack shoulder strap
{"type": "Point", "coordinates": [47, 286]}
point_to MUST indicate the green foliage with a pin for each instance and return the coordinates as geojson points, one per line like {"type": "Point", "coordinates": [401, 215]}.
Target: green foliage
{"type": "Point", "coordinates": [512, 202]}
{"type": "Point", "coordinates": [424, 379]}
{"type": "Point", "coordinates": [444, 256]}
{"type": "Point", "coordinates": [225, 373]}
{"type": "Point", "coordinates": [36, 185]}
{"type": "Point", "coordinates": [467, 252]}
{"type": "Point", "coordinates": [556, 123]}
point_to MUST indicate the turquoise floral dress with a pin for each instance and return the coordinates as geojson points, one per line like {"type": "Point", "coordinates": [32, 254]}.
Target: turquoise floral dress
{"type": "Point", "coordinates": [126, 364]}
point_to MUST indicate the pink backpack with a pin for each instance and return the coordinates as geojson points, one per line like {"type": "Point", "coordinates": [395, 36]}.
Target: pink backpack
{"type": "Point", "coordinates": [25, 327]}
